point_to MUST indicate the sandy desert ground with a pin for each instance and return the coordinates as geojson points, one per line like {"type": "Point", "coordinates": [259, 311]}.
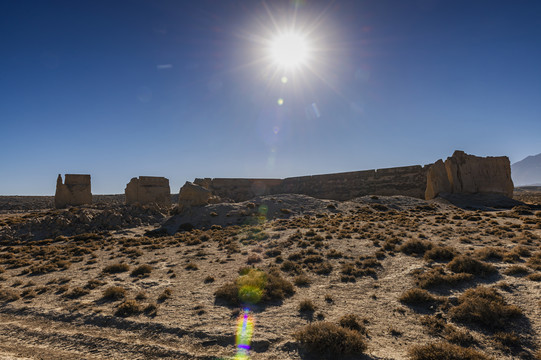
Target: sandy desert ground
{"type": "Point", "coordinates": [380, 277]}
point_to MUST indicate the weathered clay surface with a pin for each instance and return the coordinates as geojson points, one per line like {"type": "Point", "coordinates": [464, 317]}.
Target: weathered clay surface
{"type": "Point", "coordinates": [407, 180]}
{"type": "Point", "coordinates": [469, 174]}
{"type": "Point", "coordinates": [74, 191]}
{"type": "Point", "coordinates": [437, 180]}
{"type": "Point", "coordinates": [194, 195]}
{"type": "Point", "coordinates": [148, 190]}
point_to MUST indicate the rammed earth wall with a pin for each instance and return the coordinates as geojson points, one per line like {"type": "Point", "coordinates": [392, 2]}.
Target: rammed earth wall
{"type": "Point", "coordinates": [407, 180]}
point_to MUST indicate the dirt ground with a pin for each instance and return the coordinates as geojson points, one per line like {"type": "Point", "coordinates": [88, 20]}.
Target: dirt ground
{"type": "Point", "coordinates": [356, 257]}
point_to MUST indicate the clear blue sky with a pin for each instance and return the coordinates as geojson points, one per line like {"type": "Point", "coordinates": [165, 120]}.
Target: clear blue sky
{"type": "Point", "coordinates": [186, 89]}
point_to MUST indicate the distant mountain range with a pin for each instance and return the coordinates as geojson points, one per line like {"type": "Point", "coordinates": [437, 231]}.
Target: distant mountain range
{"type": "Point", "coordinates": [527, 171]}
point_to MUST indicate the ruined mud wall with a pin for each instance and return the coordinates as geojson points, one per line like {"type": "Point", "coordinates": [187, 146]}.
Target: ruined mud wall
{"type": "Point", "coordinates": [408, 180]}
{"type": "Point", "coordinates": [240, 189]}
{"type": "Point", "coordinates": [148, 190]}
{"type": "Point", "coordinates": [74, 191]}
{"type": "Point", "coordinates": [468, 174]}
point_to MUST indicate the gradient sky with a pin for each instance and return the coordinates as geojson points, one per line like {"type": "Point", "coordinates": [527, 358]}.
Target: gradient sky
{"type": "Point", "coordinates": [186, 89]}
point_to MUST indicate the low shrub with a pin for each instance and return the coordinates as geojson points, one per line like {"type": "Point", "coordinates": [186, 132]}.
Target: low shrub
{"type": "Point", "coordinates": [254, 286]}
{"type": "Point", "coordinates": [128, 308]}
{"type": "Point", "coordinates": [467, 264]}
{"type": "Point", "coordinates": [437, 276]}
{"type": "Point", "coordinates": [489, 253]}
{"type": "Point", "coordinates": [352, 322]}
{"type": "Point", "coordinates": [302, 280]}
{"type": "Point", "coordinates": [535, 261]}
{"type": "Point", "coordinates": [76, 292]}
{"type": "Point", "coordinates": [484, 306]}
{"type": "Point", "coordinates": [166, 294]}
{"type": "Point", "coordinates": [418, 296]}
{"type": "Point", "coordinates": [114, 293]}
{"type": "Point", "coordinates": [517, 270]}
{"type": "Point", "coordinates": [327, 340]}
{"type": "Point", "coordinates": [507, 341]}
{"type": "Point", "coordinates": [444, 351]}
{"type": "Point", "coordinates": [116, 268]}
{"type": "Point", "coordinates": [307, 305]}
{"type": "Point", "coordinates": [440, 253]}
{"type": "Point", "coordinates": [142, 270]}
{"type": "Point", "coordinates": [415, 247]}
{"type": "Point", "coordinates": [8, 295]}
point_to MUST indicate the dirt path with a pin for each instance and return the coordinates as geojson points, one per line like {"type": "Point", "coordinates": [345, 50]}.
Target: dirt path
{"type": "Point", "coordinates": [35, 337]}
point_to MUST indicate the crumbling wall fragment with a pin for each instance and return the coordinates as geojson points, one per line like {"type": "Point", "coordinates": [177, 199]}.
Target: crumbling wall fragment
{"type": "Point", "coordinates": [148, 190]}
{"type": "Point", "coordinates": [469, 174]}
{"type": "Point", "coordinates": [75, 191]}
{"type": "Point", "coordinates": [195, 195]}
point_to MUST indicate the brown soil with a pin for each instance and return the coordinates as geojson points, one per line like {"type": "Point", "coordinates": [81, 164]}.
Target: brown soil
{"type": "Point", "coordinates": [57, 311]}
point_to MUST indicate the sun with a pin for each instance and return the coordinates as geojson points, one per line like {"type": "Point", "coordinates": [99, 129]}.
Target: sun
{"type": "Point", "coordinates": [289, 50]}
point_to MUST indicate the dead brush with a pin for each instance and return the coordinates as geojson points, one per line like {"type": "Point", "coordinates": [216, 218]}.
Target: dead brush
{"type": "Point", "coordinates": [327, 340]}
{"type": "Point", "coordinates": [484, 306]}
{"type": "Point", "coordinates": [440, 253]}
{"type": "Point", "coordinates": [437, 276]}
{"type": "Point", "coordinates": [517, 270]}
{"type": "Point", "coordinates": [415, 247]}
{"type": "Point", "coordinates": [254, 286]}
{"type": "Point", "coordinates": [490, 253]}
{"type": "Point", "coordinates": [129, 307]}
{"type": "Point", "coordinates": [438, 327]}
{"type": "Point", "coordinates": [418, 296]}
{"type": "Point", "coordinates": [467, 264]}
{"type": "Point", "coordinates": [114, 293]}
{"type": "Point", "coordinates": [141, 270]}
{"type": "Point", "coordinates": [9, 295]}
{"type": "Point", "coordinates": [444, 351]}
{"type": "Point", "coordinates": [116, 268]}
{"type": "Point", "coordinates": [352, 322]}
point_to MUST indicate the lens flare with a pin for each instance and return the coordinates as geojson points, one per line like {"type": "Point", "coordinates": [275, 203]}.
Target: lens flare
{"type": "Point", "coordinates": [245, 330]}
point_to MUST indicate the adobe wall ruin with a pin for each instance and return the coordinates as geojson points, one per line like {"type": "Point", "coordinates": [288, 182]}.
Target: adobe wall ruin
{"type": "Point", "coordinates": [148, 190]}
{"type": "Point", "coordinates": [74, 191]}
{"type": "Point", "coordinates": [468, 174]}
{"type": "Point", "coordinates": [408, 180]}
{"type": "Point", "coordinates": [460, 174]}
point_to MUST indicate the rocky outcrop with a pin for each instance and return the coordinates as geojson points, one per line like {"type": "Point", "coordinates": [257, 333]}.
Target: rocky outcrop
{"type": "Point", "coordinates": [195, 195]}
{"type": "Point", "coordinates": [469, 174]}
{"type": "Point", "coordinates": [148, 190]}
{"type": "Point", "coordinates": [74, 191]}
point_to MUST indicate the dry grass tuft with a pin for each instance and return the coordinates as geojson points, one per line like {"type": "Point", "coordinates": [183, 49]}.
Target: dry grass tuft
{"type": "Point", "coordinates": [484, 306]}
{"type": "Point", "coordinates": [437, 276]}
{"type": "Point", "coordinates": [326, 340]}
{"type": "Point", "coordinates": [440, 253]}
{"type": "Point", "coordinates": [142, 270]}
{"type": "Point", "coordinates": [415, 247]}
{"type": "Point", "coordinates": [418, 296]}
{"type": "Point", "coordinates": [307, 305]}
{"type": "Point", "coordinates": [444, 351]}
{"type": "Point", "coordinates": [8, 295]}
{"type": "Point", "coordinates": [128, 308]}
{"type": "Point", "coordinates": [352, 322]}
{"type": "Point", "coordinates": [116, 268]}
{"type": "Point", "coordinates": [467, 264]}
{"type": "Point", "coordinates": [114, 293]}
{"type": "Point", "coordinates": [253, 286]}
